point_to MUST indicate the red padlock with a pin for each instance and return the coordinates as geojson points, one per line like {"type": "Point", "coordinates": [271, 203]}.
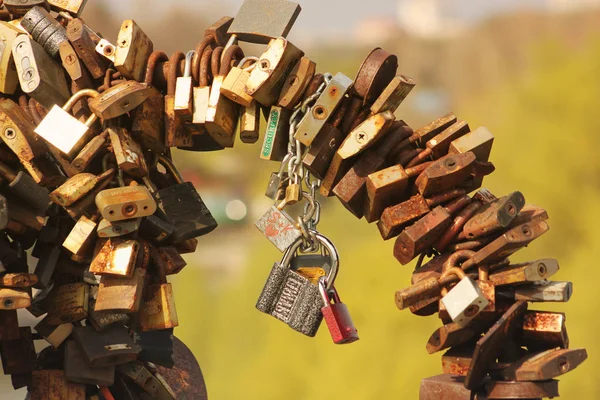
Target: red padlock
{"type": "Point", "coordinates": [337, 316]}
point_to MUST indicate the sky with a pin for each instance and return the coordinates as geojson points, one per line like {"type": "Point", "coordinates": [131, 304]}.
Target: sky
{"type": "Point", "coordinates": [339, 17]}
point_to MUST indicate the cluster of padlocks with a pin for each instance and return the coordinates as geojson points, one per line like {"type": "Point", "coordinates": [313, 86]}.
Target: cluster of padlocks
{"type": "Point", "coordinates": [90, 191]}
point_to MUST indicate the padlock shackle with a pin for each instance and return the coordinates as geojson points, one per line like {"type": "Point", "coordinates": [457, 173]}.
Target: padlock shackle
{"type": "Point", "coordinates": [451, 271]}
{"type": "Point", "coordinates": [456, 258]}
{"type": "Point", "coordinates": [324, 242]}
{"type": "Point", "coordinates": [187, 69]}
{"type": "Point", "coordinates": [170, 167]}
{"type": "Point", "coordinates": [78, 96]}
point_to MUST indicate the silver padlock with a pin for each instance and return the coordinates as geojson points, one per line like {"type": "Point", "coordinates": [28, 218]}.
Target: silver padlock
{"type": "Point", "coordinates": [110, 229]}
{"type": "Point", "coordinates": [183, 89]}
{"type": "Point", "coordinates": [465, 300]}
{"type": "Point", "coordinates": [278, 226]}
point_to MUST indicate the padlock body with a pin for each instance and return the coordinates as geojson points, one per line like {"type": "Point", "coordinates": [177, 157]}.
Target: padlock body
{"type": "Point", "coordinates": [292, 299]}
{"type": "Point", "coordinates": [278, 228]}
{"type": "Point", "coordinates": [464, 302]}
{"type": "Point", "coordinates": [183, 208]}
{"type": "Point", "coordinates": [125, 203]}
{"type": "Point", "coordinates": [340, 325]}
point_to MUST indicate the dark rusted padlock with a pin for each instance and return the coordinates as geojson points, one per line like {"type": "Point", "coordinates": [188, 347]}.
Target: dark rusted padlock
{"type": "Point", "coordinates": [496, 216]}
{"type": "Point", "coordinates": [422, 234]}
{"type": "Point", "coordinates": [113, 346]}
{"type": "Point", "coordinates": [545, 365]}
{"type": "Point", "coordinates": [183, 208]}
{"type": "Point", "coordinates": [445, 174]}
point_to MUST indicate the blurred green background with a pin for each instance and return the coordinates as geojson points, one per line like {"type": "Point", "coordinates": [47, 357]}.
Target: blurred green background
{"type": "Point", "coordinates": [528, 70]}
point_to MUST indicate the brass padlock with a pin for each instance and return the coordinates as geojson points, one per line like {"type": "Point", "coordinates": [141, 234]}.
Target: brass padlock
{"type": "Point", "coordinates": [84, 40]}
{"type": "Point", "coordinates": [158, 308]}
{"type": "Point", "coordinates": [125, 203]}
{"type": "Point", "coordinates": [64, 131]}
{"type": "Point", "coordinates": [67, 303]}
{"type": "Point", "coordinates": [79, 240]}
{"type": "Point", "coordinates": [117, 293]}
{"type": "Point", "coordinates": [234, 83]}
{"type": "Point", "coordinates": [297, 83]}
{"type": "Point", "coordinates": [90, 151]}
{"type": "Point", "coordinates": [393, 95]}
{"type": "Point", "coordinates": [115, 257]}
{"type": "Point", "coordinates": [8, 70]}
{"type": "Point", "coordinates": [108, 229]}
{"type": "Point", "coordinates": [175, 131]}
{"type": "Point", "coordinates": [272, 69]}
{"type": "Point", "coordinates": [132, 51]}
{"type": "Point", "coordinates": [39, 75]}
{"type": "Point", "coordinates": [119, 99]}
{"type": "Point", "coordinates": [74, 66]}
{"type": "Point", "coordinates": [250, 123]}
{"type": "Point", "coordinates": [78, 186]}
{"type": "Point", "coordinates": [128, 152]}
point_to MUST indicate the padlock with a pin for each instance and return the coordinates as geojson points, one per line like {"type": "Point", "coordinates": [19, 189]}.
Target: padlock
{"type": "Point", "coordinates": [113, 346]}
{"type": "Point", "coordinates": [360, 139]}
{"type": "Point", "coordinates": [167, 260]}
{"type": "Point", "coordinates": [351, 189]}
{"type": "Point", "coordinates": [78, 371]}
{"type": "Point", "coordinates": [102, 319]}
{"type": "Point", "coordinates": [11, 299]}
{"type": "Point", "coordinates": [19, 356]}
{"type": "Point", "coordinates": [322, 149]}
{"type": "Point", "coordinates": [78, 186]}
{"type": "Point", "coordinates": [155, 229]}
{"type": "Point", "coordinates": [74, 7]}
{"type": "Point", "coordinates": [427, 132]}
{"type": "Point", "coordinates": [74, 66]}
{"type": "Point", "coordinates": [108, 229]}
{"type": "Point", "coordinates": [183, 104]}
{"type": "Point", "coordinates": [25, 188]}
{"type": "Point", "coordinates": [445, 174]}
{"type": "Point", "coordinates": [183, 208]}
{"type": "Point", "coordinates": [451, 335]}
{"type": "Point", "coordinates": [278, 226]}
{"type": "Point", "coordinates": [84, 40]}
{"type": "Point", "coordinates": [8, 71]}
{"type": "Point", "coordinates": [79, 240]}
{"type": "Point", "coordinates": [88, 154]}
{"type": "Point", "coordinates": [18, 280]}
{"type": "Point", "coordinates": [384, 189]}
{"type": "Point", "coordinates": [175, 132]}
{"type": "Point", "coordinates": [297, 83]}
{"type": "Point", "coordinates": [222, 114]}
{"type": "Point", "coordinates": [292, 298]}
{"type": "Point", "coordinates": [541, 291]}
{"type": "Point", "coordinates": [18, 8]}
{"type": "Point", "coordinates": [496, 216]}
{"type": "Point", "coordinates": [152, 384]}
{"type": "Point", "coordinates": [544, 366]}
{"type": "Point", "coordinates": [44, 29]}
{"type": "Point", "coordinates": [115, 257]}
{"type": "Point", "coordinates": [376, 72]}
{"type": "Point", "coordinates": [250, 123]}
{"type": "Point", "coordinates": [544, 330]}
{"type": "Point", "coordinates": [67, 303]}
{"type": "Point", "coordinates": [158, 308]}
{"type": "Point", "coordinates": [85, 205]}
{"type": "Point", "coordinates": [39, 75]}
{"type": "Point", "coordinates": [157, 347]}
{"type": "Point", "coordinates": [272, 69]}
{"type": "Point", "coordinates": [393, 95]}
{"type": "Point", "coordinates": [129, 154]}
{"type": "Point", "coordinates": [277, 135]}
{"type": "Point", "coordinates": [117, 293]}
{"type": "Point", "coordinates": [311, 125]}
{"type": "Point", "coordinates": [125, 203]}
{"type": "Point", "coordinates": [133, 50]}
{"type": "Point", "coordinates": [524, 273]}
{"type": "Point", "coordinates": [234, 83]}
{"type": "Point", "coordinates": [336, 316]}
{"type": "Point", "coordinates": [465, 300]}
{"type": "Point", "coordinates": [119, 99]}
{"type": "Point", "coordinates": [201, 93]}
{"type": "Point", "coordinates": [420, 236]}
{"type": "Point", "coordinates": [277, 19]}
{"type": "Point", "coordinates": [479, 142]}
{"type": "Point", "coordinates": [277, 182]}
{"type": "Point", "coordinates": [62, 130]}
{"type": "Point", "coordinates": [106, 49]}
{"type": "Point", "coordinates": [44, 382]}
{"type": "Point", "coordinates": [54, 334]}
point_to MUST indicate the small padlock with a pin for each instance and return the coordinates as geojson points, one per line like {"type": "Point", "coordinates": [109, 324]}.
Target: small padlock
{"type": "Point", "coordinates": [133, 50]}
{"type": "Point", "coordinates": [336, 316]}
{"type": "Point", "coordinates": [108, 229]}
{"type": "Point", "coordinates": [125, 203]}
{"type": "Point", "coordinates": [183, 104]}
{"type": "Point", "coordinates": [88, 154]}
{"type": "Point", "coordinates": [8, 71]}
{"type": "Point", "coordinates": [250, 123]}
{"type": "Point", "coordinates": [54, 334]}
{"type": "Point", "coordinates": [40, 76]}
{"type": "Point", "coordinates": [129, 154]}
{"type": "Point", "coordinates": [155, 229]}
{"type": "Point", "coordinates": [277, 134]}
{"type": "Point", "coordinates": [117, 293]}
{"type": "Point", "coordinates": [291, 297]}
{"type": "Point", "coordinates": [84, 41]}
{"type": "Point", "coordinates": [67, 303]}
{"type": "Point", "coordinates": [77, 369]}
{"type": "Point", "coordinates": [296, 83]}
{"type": "Point", "coordinates": [176, 133]}
{"type": "Point", "coordinates": [157, 347]}
{"type": "Point", "coordinates": [113, 346]}
{"type": "Point", "coordinates": [182, 207]}
{"type": "Point", "coordinates": [64, 131]}
{"type": "Point", "coordinates": [78, 186]}
{"type": "Point", "coordinates": [158, 310]}
{"type": "Point", "coordinates": [74, 66]}
{"type": "Point", "coordinates": [234, 84]}
{"type": "Point", "coordinates": [119, 99]}
{"type": "Point", "coordinates": [115, 257]}
{"type": "Point", "coordinates": [464, 301]}
{"type": "Point", "coordinates": [79, 241]}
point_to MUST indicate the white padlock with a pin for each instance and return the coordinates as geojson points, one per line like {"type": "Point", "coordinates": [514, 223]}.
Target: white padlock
{"type": "Point", "coordinates": [465, 300]}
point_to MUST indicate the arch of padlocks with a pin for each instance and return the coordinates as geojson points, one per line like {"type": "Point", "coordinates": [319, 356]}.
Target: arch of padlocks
{"type": "Point", "coordinates": [90, 191]}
